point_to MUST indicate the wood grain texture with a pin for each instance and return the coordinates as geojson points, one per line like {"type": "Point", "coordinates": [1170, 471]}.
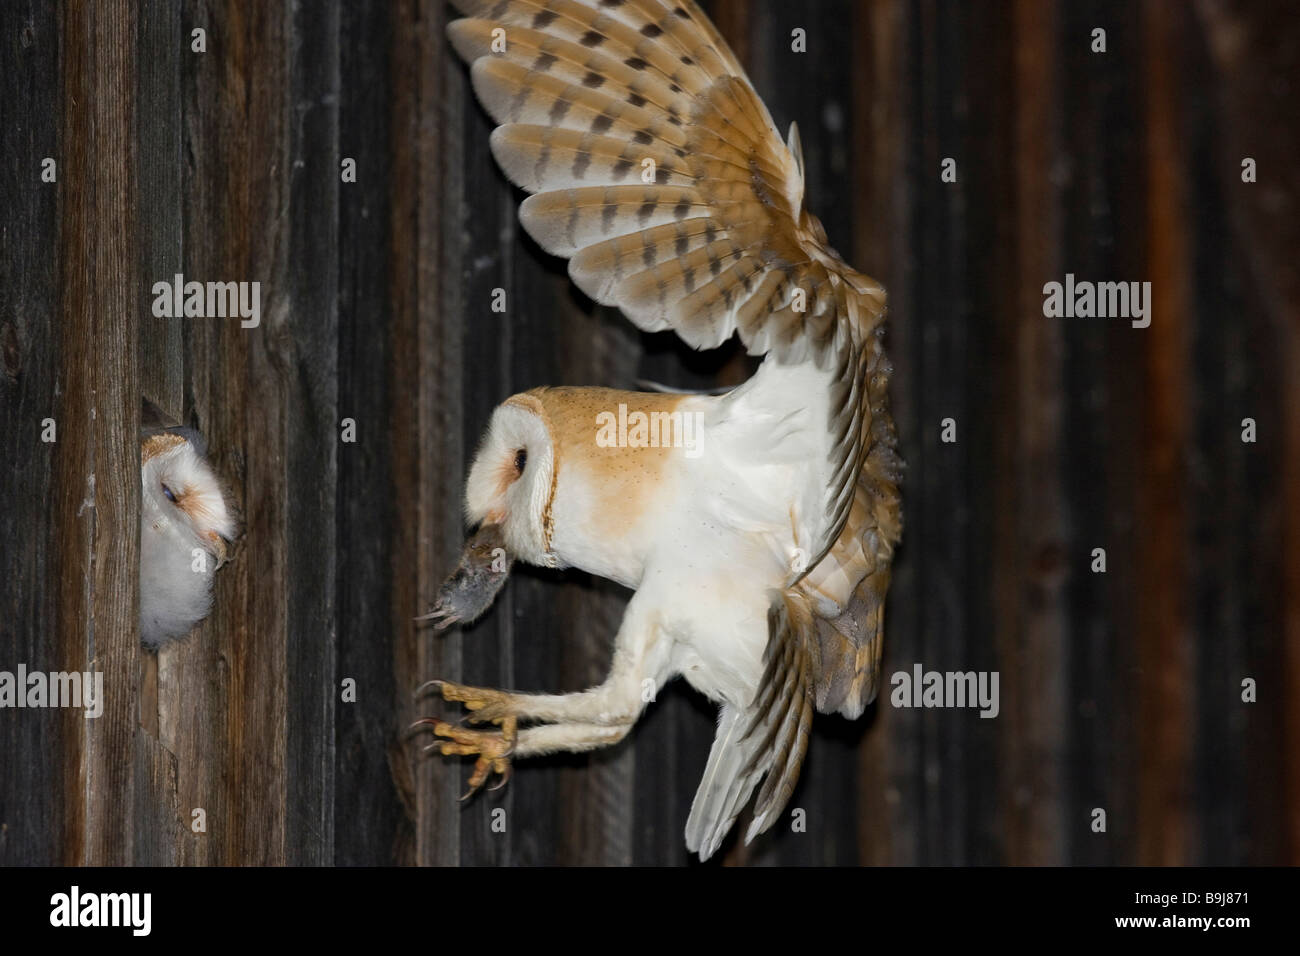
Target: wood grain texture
{"type": "Point", "coordinates": [1164, 657]}
{"type": "Point", "coordinates": [1033, 633]}
{"type": "Point", "coordinates": [1098, 147]}
{"type": "Point", "coordinates": [32, 826]}
{"type": "Point", "coordinates": [1119, 691]}
{"type": "Point", "coordinates": [369, 502]}
{"type": "Point", "coordinates": [96, 480]}
{"type": "Point", "coordinates": [1252, 86]}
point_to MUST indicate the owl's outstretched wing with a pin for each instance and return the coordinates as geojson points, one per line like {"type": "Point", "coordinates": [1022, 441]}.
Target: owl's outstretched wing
{"type": "Point", "coordinates": [657, 171]}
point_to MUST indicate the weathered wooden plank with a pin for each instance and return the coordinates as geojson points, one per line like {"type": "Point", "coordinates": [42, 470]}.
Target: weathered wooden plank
{"type": "Point", "coordinates": [1254, 63]}
{"type": "Point", "coordinates": [1100, 380]}
{"type": "Point", "coordinates": [97, 483]}
{"type": "Point", "coordinates": [31, 824]}
{"type": "Point", "coordinates": [1164, 806]}
{"type": "Point", "coordinates": [429, 99]}
{"type": "Point", "coordinates": [312, 442]}
{"type": "Point", "coordinates": [367, 809]}
{"type": "Point", "coordinates": [228, 686]}
{"type": "Point", "coordinates": [160, 46]}
{"type": "Point", "coordinates": [159, 130]}
{"type": "Point", "coordinates": [1219, 513]}
{"type": "Point", "coordinates": [194, 712]}
{"type": "Point", "coordinates": [1029, 551]}
{"type": "Point", "coordinates": [980, 211]}
{"type": "Point", "coordinates": [949, 638]}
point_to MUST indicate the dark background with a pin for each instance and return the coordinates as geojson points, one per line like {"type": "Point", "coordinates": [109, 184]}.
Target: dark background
{"type": "Point", "coordinates": [1119, 690]}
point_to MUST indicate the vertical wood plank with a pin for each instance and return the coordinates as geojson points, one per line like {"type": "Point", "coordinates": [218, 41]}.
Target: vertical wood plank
{"type": "Point", "coordinates": [227, 689]}
{"type": "Point", "coordinates": [1253, 63]}
{"type": "Point", "coordinates": [1162, 625]}
{"type": "Point", "coordinates": [985, 209]}
{"type": "Point", "coordinates": [162, 367]}
{"type": "Point", "coordinates": [97, 464]}
{"type": "Point", "coordinates": [371, 824]}
{"type": "Point", "coordinates": [1221, 521]}
{"type": "Point", "coordinates": [159, 132]}
{"type": "Point", "coordinates": [311, 460]}
{"type": "Point", "coordinates": [429, 95]}
{"type": "Point", "coordinates": [1030, 553]}
{"type": "Point", "coordinates": [31, 824]}
{"type": "Point", "coordinates": [1101, 147]}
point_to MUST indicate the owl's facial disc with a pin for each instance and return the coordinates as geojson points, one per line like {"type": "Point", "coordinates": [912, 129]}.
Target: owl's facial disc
{"type": "Point", "coordinates": [512, 480]}
{"type": "Point", "coordinates": [185, 487]}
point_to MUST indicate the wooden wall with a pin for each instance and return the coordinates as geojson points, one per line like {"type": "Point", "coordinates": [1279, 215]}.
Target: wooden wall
{"type": "Point", "coordinates": [1119, 690]}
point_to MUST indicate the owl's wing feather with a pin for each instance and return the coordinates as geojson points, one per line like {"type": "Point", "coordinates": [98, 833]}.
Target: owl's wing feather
{"type": "Point", "coordinates": [658, 172]}
{"type": "Point", "coordinates": [858, 567]}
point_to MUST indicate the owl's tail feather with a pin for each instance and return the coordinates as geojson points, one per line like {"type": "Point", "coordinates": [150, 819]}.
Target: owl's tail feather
{"type": "Point", "coordinates": [723, 787]}
{"type": "Point", "coordinates": [768, 737]}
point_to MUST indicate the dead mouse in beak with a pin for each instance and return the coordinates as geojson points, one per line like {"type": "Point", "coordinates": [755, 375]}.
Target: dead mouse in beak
{"type": "Point", "coordinates": [469, 591]}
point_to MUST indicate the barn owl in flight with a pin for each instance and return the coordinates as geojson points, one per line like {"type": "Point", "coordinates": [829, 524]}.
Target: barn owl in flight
{"type": "Point", "coordinates": [185, 524]}
{"type": "Point", "coordinates": [760, 556]}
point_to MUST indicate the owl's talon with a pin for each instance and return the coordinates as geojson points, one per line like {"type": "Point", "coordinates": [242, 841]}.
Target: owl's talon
{"type": "Point", "coordinates": [492, 747]}
{"type": "Point", "coordinates": [419, 691]}
{"type": "Point", "coordinates": [503, 771]}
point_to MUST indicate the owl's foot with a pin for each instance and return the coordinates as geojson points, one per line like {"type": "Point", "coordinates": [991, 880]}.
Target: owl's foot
{"type": "Point", "coordinates": [493, 748]}
{"type": "Point", "coordinates": [485, 704]}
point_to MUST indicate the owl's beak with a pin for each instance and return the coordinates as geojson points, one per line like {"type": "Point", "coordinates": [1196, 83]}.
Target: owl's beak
{"type": "Point", "coordinates": [218, 546]}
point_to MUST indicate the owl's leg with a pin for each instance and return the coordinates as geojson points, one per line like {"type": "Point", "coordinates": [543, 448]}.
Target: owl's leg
{"type": "Point", "coordinates": [573, 738]}
{"type": "Point", "coordinates": [531, 742]}
{"type": "Point", "coordinates": [641, 665]}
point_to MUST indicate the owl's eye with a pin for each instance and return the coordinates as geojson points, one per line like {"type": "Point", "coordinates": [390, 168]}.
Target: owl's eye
{"type": "Point", "coordinates": [521, 459]}
{"type": "Point", "coordinates": [171, 496]}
